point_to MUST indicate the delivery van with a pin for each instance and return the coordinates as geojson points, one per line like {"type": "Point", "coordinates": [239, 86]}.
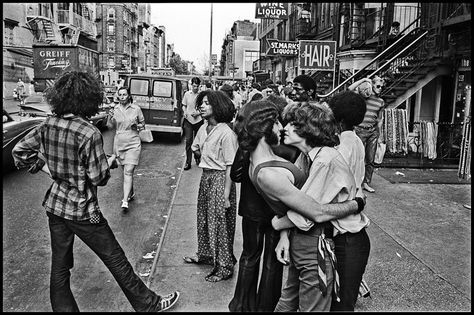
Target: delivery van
{"type": "Point", "coordinates": [160, 99]}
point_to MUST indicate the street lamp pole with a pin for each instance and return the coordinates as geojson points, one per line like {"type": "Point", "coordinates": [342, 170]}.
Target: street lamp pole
{"type": "Point", "coordinates": [210, 49]}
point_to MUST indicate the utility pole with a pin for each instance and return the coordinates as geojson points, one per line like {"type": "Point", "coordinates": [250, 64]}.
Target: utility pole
{"type": "Point", "coordinates": [210, 49]}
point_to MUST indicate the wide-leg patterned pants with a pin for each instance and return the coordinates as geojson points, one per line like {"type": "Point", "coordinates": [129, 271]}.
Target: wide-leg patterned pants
{"type": "Point", "coordinates": [215, 223]}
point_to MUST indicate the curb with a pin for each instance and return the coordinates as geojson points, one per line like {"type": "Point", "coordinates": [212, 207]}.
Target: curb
{"type": "Point", "coordinates": [165, 228]}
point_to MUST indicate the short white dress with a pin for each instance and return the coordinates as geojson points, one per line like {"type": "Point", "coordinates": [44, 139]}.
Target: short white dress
{"type": "Point", "coordinates": [127, 143]}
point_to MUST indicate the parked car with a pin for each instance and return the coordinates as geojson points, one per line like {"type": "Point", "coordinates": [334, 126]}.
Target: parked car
{"type": "Point", "coordinates": [13, 131]}
{"type": "Point", "coordinates": [36, 106]}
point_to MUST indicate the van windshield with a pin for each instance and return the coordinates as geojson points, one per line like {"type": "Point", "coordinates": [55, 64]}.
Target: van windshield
{"type": "Point", "coordinates": [162, 88]}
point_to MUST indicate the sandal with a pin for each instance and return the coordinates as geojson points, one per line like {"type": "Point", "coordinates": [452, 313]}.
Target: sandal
{"type": "Point", "coordinates": [216, 278]}
{"type": "Point", "coordinates": [191, 260]}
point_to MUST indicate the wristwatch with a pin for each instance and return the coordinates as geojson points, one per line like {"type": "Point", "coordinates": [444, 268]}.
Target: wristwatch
{"type": "Point", "coordinates": [360, 204]}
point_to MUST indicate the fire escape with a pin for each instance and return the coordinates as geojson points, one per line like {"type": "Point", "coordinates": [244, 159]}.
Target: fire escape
{"type": "Point", "coordinates": [422, 52]}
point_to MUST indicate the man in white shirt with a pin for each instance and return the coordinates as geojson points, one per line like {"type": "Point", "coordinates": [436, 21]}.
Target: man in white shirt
{"type": "Point", "coordinates": [352, 244]}
{"type": "Point", "coordinates": [192, 118]}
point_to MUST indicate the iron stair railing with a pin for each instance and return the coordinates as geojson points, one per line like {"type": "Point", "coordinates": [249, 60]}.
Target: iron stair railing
{"type": "Point", "coordinates": [387, 56]}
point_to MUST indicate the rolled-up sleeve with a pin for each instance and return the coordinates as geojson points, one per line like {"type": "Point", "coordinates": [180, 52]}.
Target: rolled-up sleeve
{"type": "Point", "coordinates": [25, 152]}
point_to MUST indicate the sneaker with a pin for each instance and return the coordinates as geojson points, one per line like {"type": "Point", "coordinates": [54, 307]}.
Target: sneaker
{"type": "Point", "coordinates": [187, 166]}
{"type": "Point", "coordinates": [168, 301]}
{"type": "Point", "coordinates": [365, 186]}
{"type": "Point", "coordinates": [124, 206]}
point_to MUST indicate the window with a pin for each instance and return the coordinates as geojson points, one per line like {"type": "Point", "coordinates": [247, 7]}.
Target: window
{"type": "Point", "coordinates": [139, 87]}
{"type": "Point", "coordinates": [110, 45]}
{"type": "Point", "coordinates": [111, 13]}
{"type": "Point", "coordinates": [8, 32]}
{"type": "Point", "coordinates": [249, 57]}
{"type": "Point", "coordinates": [111, 62]}
{"type": "Point", "coordinates": [63, 6]}
{"type": "Point", "coordinates": [162, 88]}
{"type": "Point", "coordinates": [110, 29]}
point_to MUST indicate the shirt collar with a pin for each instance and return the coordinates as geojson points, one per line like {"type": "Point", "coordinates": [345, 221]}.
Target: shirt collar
{"type": "Point", "coordinates": [313, 152]}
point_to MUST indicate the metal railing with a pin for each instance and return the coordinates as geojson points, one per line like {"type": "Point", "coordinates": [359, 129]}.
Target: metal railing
{"type": "Point", "coordinates": [387, 54]}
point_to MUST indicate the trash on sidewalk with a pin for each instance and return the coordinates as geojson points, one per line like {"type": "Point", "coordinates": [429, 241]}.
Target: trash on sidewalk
{"type": "Point", "coordinates": [144, 274]}
{"type": "Point", "coordinates": [398, 255]}
{"type": "Point", "coordinates": [467, 207]}
{"type": "Point", "coordinates": [149, 255]}
{"type": "Point", "coordinates": [364, 290]}
{"type": "Point", "coordinates": [399, 173]}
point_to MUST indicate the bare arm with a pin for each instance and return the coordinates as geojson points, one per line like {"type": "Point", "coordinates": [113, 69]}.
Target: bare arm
{"type": "Point", "coordinates": [281, 188]}
{"type": "Point", "coordinates": [354, 85]}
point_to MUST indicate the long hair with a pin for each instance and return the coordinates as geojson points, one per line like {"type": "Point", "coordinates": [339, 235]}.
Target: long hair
{"type": "Point", "coordinates": [255, 121]}
{"type": "Point", "coordinates": [223, 108]}
{"type": "Point", "coordinates": [74, 92]}
{"type": "Point", "coordinates": [314, 122]}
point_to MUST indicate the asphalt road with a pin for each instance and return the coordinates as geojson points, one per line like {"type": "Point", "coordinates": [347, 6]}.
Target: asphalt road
{"type": "Point", "coordinates": [26, 240]}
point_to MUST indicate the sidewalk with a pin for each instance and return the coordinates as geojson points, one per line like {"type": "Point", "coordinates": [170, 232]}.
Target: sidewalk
{"type": "Point", "coordinates": [419, 261]}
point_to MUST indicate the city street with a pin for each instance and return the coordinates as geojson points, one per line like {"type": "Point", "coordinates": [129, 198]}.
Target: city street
{"type": "Point", "coordinates": [26, 240]}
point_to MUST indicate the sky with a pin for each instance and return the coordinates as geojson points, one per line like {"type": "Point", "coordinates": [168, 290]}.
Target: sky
{"type": "Point", "coordinates": [188, 26]}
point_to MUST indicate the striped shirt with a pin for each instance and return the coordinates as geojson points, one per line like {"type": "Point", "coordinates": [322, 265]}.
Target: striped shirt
{"type": "Point", "coordinates": [374, 105]}
{"type": "Point", "coordinates": [73, 150]}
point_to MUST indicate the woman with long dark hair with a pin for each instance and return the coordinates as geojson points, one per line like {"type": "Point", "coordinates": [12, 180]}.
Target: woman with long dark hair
{"type": "Point", "coordinates": [214, 148]}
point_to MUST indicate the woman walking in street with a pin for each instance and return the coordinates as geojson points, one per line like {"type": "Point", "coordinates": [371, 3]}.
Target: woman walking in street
{"type": "Point", "coordinates": [128, 120]}
{"type": "Point", "coordinates": [214, 148]}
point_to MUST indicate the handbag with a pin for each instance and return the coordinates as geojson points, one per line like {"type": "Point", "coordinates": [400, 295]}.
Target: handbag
{"type": "Point", "coordinates": [146, 135]}
{"type": "Point", "coordinates": [380, 152]}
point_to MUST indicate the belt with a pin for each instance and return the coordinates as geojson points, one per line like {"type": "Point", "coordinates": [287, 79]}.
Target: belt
{"type": "Point", "coordinates": [365, 127]}
{"type": "Point", "coordinates": [327, 228]}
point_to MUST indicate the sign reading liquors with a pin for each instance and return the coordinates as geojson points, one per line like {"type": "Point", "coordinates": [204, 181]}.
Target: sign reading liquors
{"type": "Point", "coordinates": [282, 48]}
{"type": "Point", "coordinates": [317, 55]}
{"type": "Point", "coordinates": [271, 11]}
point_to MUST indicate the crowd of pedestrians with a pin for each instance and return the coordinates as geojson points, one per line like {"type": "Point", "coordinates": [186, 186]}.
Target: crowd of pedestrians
{"type": "Point", "coordinates": [301, 164]}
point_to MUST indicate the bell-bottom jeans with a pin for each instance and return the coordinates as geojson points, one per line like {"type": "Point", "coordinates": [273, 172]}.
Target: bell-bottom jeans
{"type": "Point", "coordinates": [100, 238]}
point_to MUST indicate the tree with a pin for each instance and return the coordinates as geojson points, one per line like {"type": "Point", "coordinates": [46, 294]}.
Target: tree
{"type": "Point", "coordinates": [178, 65]}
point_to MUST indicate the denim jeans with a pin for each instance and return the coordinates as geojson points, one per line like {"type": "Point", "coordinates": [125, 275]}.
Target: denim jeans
{"type": "Point", "coordinates": [190, 131]}
{"type": "Point", "coordinates": [352, 253]}
{"type": "Point", "coordinates": [369, 139]}
{"type": "Point", "coordinates": [100, 238]}
{"type": "Point", "coordinates": [258, 237]}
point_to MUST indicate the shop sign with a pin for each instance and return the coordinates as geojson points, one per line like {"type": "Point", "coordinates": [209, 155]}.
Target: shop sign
{"type": "Point", "coordinates": [282, 48]}
{"type": "Point", "coordinates": [271, 11]}
{"type": "Point", "coordinates": [163, 71]}
{"type": "Point", "coordinates": [317, 55]}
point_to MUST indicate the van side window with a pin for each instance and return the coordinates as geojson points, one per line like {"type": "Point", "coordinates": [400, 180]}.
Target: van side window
{"type": "Point", "coordinates": [139, 87]}
{"type": "Point", "coordinates": [162, 88]}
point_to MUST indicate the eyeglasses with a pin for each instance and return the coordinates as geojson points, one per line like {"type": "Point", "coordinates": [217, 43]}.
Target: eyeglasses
{"type": "Point", "coordinates": [379, 86]}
